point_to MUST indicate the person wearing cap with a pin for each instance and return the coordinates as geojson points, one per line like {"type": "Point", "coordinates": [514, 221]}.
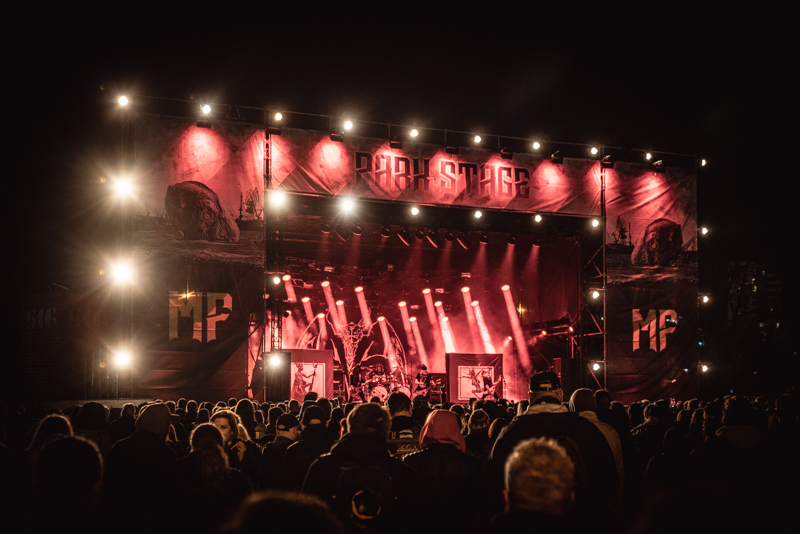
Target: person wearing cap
{"type": "Point", "coordinates": [596, 479]}
{"type": "Point", "coordinates": [314, 441]}
{"type": "Point", "coordinates": [287, 430]}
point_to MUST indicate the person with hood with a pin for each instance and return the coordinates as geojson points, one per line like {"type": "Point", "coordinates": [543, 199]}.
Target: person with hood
{"type": "Point", "coordinates": [450, 480]}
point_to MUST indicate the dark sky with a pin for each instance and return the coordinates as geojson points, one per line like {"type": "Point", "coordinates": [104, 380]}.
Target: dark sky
{"type": "Point", "coordinates": [713, 83]}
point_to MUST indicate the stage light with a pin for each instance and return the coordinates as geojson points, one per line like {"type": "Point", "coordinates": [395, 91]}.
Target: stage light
{"type": "Point", "coordinates": [396, 143]}
{"type": "Point", "coordinates": [594, 151]}
{"type": "Point", "coordinates": [465, 290]}
{"type": "Point", "coordinates": [449, 236]}
{"type": "Point", "coordinates": [320, 316]}
{"type": "Point", "coordinates": [704, 230]}
{"type": "Point", "coordinates": [412, 319]}
{"type": "Point", "coordinates": [703, 163]}
{"type": "Point", "coordinates": [278, 117]}
{"type": "Point", "coordinates": [357, 230]}
{"type": "Point", "coordinates": [347, 205]}
{"type": "Point", "coordinates": [405, 237]}
{"type": "Point", "coordinates": [595, 366]}
{"type": "Point", "coordinates": [122, 359]}
{"type": "Point", "coordinates": [426, 291]}
{"type": "Point", "coordinates": [348, 125]}
{"type": "Point", "coordinates": [506, 287]}
{"type": "Point", "coordinates": [537, 218]}
{"type": "Point", "coordinates": [556, 157]}
{"type": "Point", "coordinates": [337, 135]}
{"type": "Point", "coordinates": [381, 318]}
{"type": "Point", "coordinates": [286, 277]}
{"type": "Point", "coordinates": [276, 280]}
{"type": "Point", "coordinates": [483, 239]}
{"type": "Point", "coordinates": [433, 239]}
{"type": "Point", "coordinates": [325, 283]}
{"type": "Point", "coordinates": [386, 232]}
{"type": "Point", "coordinates": [477, 139]}
{"type": "Point", "coordinates": [123, 187]}
{"type": "Point", "coordinates": [122, 273]}
{"type": "Point", "coordinates": [648, 156]}
{"type": "Point", "coordinates": [438, 303]}
{"type": "Point", "coordinates": [277, 198]}
{"type": "Point", "coordinates": [704, 368]}
{"type": "Point", "coordinates": [359, 289]}
{"type": "Point", "coordinates": [340, 303]}
{"type": "Point", "coordinates": [275, 361]}
{"type": "Point", "coordinates": [414, 133]}
{"type": "Point", "coordinates": [206, 109]}
{"type": "Point", "coordinates": [463, 240]}
{"type": "Point", "coordinates": [658, 166]}
{"type": "Point", "coordinates": [705, 299]}
{"type": "Point", "coordinates": [305, 299]}
{"type": "Point", "coordinates": [606, 162]}
{"type": "Point", "coordinates": [123, 101]}
{"type": "Point", "coordinates": [478, 214]}
{"type": "Point", "coordinates": [536, 145]}
{"type": "Point", "coordinates": [595, 294]}
{"type": "Point", "coordinates": [474, 303]}
{"type": "Point", "coordinates": [415, 211]}
{"type": "Point", "coordinates": [512, 240]}
{"type": "Point", "coordinates": [402, 303]}
{"type": "Point", "coordinates": [595, 223]}
{"type": "Point", "coordinates": [506, 153]}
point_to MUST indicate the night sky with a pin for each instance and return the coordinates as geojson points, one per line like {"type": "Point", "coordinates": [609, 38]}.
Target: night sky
{"type": "Point", "coordinates": [718, 84]}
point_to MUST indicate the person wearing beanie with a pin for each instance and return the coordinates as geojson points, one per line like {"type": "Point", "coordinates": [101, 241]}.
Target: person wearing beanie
{"type": "Point", "coordinates": [477, 439]}
{"type": "Point", "coordinates": [450, 480]}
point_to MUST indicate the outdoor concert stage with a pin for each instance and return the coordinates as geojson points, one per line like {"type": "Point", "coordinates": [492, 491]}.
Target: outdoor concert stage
{"type": "Point", "coordinates": [406, 275]}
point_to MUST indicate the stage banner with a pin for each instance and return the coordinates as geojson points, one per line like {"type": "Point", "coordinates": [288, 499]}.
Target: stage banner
{"type": "Point", "coordinates": [651, 263]}
{"type": "Point", "coordinates": [312, 370]}
{"type": "Point", "coordinates": [478, 376]}
{"type": "Point", "coordinates": [212, 177]}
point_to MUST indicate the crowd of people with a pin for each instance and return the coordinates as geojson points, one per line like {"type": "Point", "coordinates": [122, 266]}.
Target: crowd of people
{"type": "Point", "coordinates": [552, 461]}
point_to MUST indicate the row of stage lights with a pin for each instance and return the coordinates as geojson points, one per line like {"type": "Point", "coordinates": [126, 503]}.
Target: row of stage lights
{"type": "Point", "coordinates": [338, 133]}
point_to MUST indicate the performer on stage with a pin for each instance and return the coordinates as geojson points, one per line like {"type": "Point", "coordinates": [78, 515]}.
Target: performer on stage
{"type": "Point", "coordinates": [422, 382]}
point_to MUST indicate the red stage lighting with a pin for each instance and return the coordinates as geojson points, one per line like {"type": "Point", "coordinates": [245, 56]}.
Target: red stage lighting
{"type": "Point", "coordinates": [412, 319]}
{"type": "Point", "coordinates": [426, 291]}
{"type": "Point", "coordinates": [464, 289]}
{"type": "Point", "coordinates": [305, 299]}
{"type": "Point", "coordinates": [381, 318]}
{"type": "Point", "coordinates": [320, 316]}
{"type": "Point", "coordinates": [474, 303]}
{"type": "Point", "coordinates": [325, 283]}
{"type": "Point", "coordinates": [359, 289]}
{"type": "Point", "coordinates": [506, 287]}
{"type": "Point", "coordinates": [286, 277]}
{"type": "Point", "coordinates": [401, 303]}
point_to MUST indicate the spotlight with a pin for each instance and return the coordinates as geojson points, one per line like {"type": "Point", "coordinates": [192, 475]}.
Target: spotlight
{"type": "Point", "coordinates": [704, 230]}
{"type": "Point", "coordinates": [704, 367]}
{"type": "Point", "coordinates": [405, 236]}
{"type": "Point", "coordinates": [415, 211]}
{"type": "Point", "coordinates": [536, 145]}
{"type": "Point", "coordinates": [348, 125]}
{"type": "Point", "coordinates": [337, 135]}
{"type": "Point", "coordinates": [449, 236]}
{"type": "Point", "coordinates": [396, 143]}
{"type": "Point", "coordinates": [123, 187]}
{"type": "Point", "coordinates": [359, 289]}
{"type": "Point", "coordinates": [506, 153]}
{"type": "Point", "coordinates": [658, 166]}
{"type": "Point", "coordinates": [595, 294]}
{"type": "Point", "coordinates": [464, 289]}
{"type": "Point", "coordinates": [286, 277]}
{"type": "Point", "coordinates": [463, 240]}
{"type": "Point", "coordinates": [347, 205]}
{"type": "Point", "coordinates": [419, 234]}
{"type": "Point", "coordinates": [320, 316]}
{"type": "Point", "coordinates": [477, 139]}
{"type": "Point", "coordinates": [122, 273]}
{"type": "Point", "coordinates": [537, 218]}
{"type": "Point", "coordinates": [474, 304]}
{"type": "Point", "coordinates": [512, 239]}
{"type": "Point", "coordinates": [357, 230]}
{"type": "Point", "coordinates": [413, 133]}
{"type": "Point", "coordinates": [606, 162]}
{"type": "Point", "coordinates": [206, 109]}
{"type": "Point", "coordinates": [703, 162]}
{"type": "Point", "coordinates": [122, 359]}
{"type": "Point", "coordinates": [325, 283]}
{"type": "Point", "coordinates": [386, 232]}
{"type": "Point", "coordinates": [275, 361]}
{"type": "Point", "coordinates": [433, 239]}
{"type": "Point", "coordinates": [705, 299]}
{"type": "Point", "coordinates": [648, 156]}
{"type": "Point", "coordinates": [305, 299]}
{"type": "Point", "coordinates": [556, 157]}
{"type": "Point", "coordinates": [478, 214]}
{"type": "Point", "coordinates": [594, 151]}
{"type": "Point", "coordinates": [277, 198]}
{"type": "Point", "coordinates": [276, 280]}
{"type": "Point", "coordinates": [278, 117]}
{"type": "Point", "coordinates": [402, 303]}
{"type": "Point", "coordinates": [484, 239]}
{"type": "Point", "coordinates": [123, 101]}
{"type": "Point", "coordinates": [412, 319]}
{"type": "Point", "coordinates": [595, 223]}
{"type": "Point", "coordinates": [340, 303]}
{"type": "Point", "coordinates": [506, 287]}
{"type": "Point", "coordinates": [325, 228]}
{"type": "Point", "coordinates": [426, 291]}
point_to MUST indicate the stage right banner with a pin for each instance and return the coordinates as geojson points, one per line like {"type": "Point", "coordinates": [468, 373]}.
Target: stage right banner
{"type": "Point", "coordinates": [651, 293]}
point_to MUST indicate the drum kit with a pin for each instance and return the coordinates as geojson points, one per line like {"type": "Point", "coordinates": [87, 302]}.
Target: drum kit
{"type": "Point", "coordinates": [382, 385]}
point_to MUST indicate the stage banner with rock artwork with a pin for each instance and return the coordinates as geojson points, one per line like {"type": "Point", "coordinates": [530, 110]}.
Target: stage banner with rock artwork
{"type": "Point", "coordinates": [651, 263]}
{"type": "Point", "coordinates": [474, 376]}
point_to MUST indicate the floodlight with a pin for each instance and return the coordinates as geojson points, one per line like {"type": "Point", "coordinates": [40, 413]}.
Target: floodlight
{"type": "Point", "coordinates": [478, 214]}
{"type": "Point", "coordinates": [123, 187]}
{"type": "Point", "coordinates": [477, 139]}
{"type": "Point", "coordinates": [648, 156]}
{"type": "Point", "coordinates": [537, 218]}
{"type": "Point", "coordinates": [276, 280]}
{"type": "Point", "coordinates": [123, 101]}
{"type": "Point", "coordinates": [122, 273]}
{"type": "Point", "coordinates": [206, 109]}
{"type": "Point", "coordinates": [415, 211]}
{"type": "Point", "coordinates": [595, 223]}
{"type": "Point", "coordinates": [278, 116]}
{"type": "Point", "coordinates": [347, 204]}
{"type": "Point", "coordinates": [414, 133]}
{"type": "Point", "coordinates": [506, 287]}
{"type": "Point", "coordinates": [536, 145]}
{"type": "Point", "coordinates": [704, 230]}
{"type": "Point", "coordinates": [286, 277]}
{"type": "Point", "coordinates": [277, 198]}
{"type": "Point", "coordinates": [348, 125]}
{"type": "Point", "coordinates": [703, 162]}
{"type": "Point", "coordinates": [122, 359]}
{"type": "Point", "coordinates": [594, 151]}
{"type": "Point", "coordinates": [275, 361]}
{"type": "Point", "coordinates": [464, 289]}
